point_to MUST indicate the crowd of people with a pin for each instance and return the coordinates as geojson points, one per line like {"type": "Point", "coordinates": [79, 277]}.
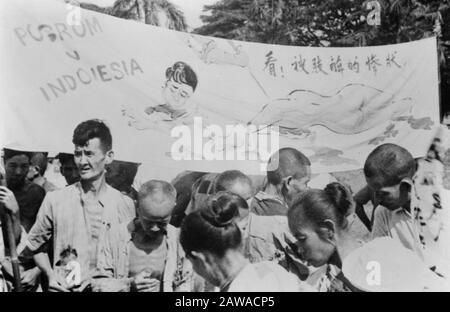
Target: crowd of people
{"type": "Point", "coordinates": [207, 231]}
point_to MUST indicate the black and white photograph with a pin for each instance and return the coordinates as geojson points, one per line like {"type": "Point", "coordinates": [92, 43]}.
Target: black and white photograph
{"type": "Point", "coordinates": [207, 147]}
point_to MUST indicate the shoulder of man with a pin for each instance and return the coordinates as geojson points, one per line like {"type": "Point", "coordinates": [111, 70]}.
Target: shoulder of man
{"type": "Point", "coordinates": [49, 186]}
{"type": "Point", "coordinates": [262, 196]}
{"type": "Point", "coordinates": [381, 222]}
{"type": "Point", "coordinates": [129, 203]}
{"type": "Point", "coordinates": [383, 213]}
{"type": "Point", "coordinates": [62, 194]}
{"type": "Point", "coordinates": [267, 205]}
{"type": "Point", "coordinates": [122, 230]}
{"type": "Point", "coordinates": [124, 203]}
{"type": "Point", "coordinates": [265, 227]}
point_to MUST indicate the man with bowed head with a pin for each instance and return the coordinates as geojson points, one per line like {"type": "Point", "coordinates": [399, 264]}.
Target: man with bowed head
{"type": "Point", "coordinates": [389, 170]}
{"type": "Point", "coordinates": [145, 255]}
{"type": "Point", "coordinates": [288, 174]}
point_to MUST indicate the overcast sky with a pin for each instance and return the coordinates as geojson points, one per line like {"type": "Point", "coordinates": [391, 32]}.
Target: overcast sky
{"type": "Point", "coordinates": [192, 8]}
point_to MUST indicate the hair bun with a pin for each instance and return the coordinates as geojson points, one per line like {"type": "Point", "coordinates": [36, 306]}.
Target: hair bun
{"type": "Point", "coordinates": [341, 196]}
{"type": "Point", "coordinates": [222, 209]}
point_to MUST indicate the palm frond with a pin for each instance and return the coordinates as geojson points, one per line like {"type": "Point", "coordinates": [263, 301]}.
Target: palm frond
{"type": "Point", "coordinates": [144, 11]}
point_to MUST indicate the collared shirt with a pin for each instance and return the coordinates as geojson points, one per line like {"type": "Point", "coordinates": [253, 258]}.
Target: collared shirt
{"type": "Point", "coordinates": [266, 276]}
{"type": "Point", "coordinates": [114, 259]}
{"type": "Point", "coordinates": [265, 240]}
{"type": "Point", "coordinates": [62, 217]}
{"type": "Point", "coordinates": [264, 204]}
{"type": "Point", "coordinates": [397, 224]}
{"type": "Point", "coordinates": [259, 233]}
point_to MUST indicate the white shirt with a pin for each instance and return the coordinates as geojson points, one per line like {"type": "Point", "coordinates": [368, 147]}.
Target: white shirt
{"type": "Point", "coordinates": [267, 276]}
{"type": "Point", "coordinates": [397, 224]}
{"type": "Point", "coordinates": [385, 265]}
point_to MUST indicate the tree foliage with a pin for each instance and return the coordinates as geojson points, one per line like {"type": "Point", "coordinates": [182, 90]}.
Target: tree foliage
{"type": "Point", "coordinates": [228, 19]}
{"type": "Point", "coordinates": [144, 11]}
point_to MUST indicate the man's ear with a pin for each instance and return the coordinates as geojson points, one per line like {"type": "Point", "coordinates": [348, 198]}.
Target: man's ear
{"type": "Point", "coordinates": [405, 188]}
{"type": "Point", "coordinates": [109, 157]}
{"type": "Point", "coordinates": [406, 182]}
{"type": "Point", "coordinates": [287, 180]}
{"type": "Point", "coordinates": [328, 230]}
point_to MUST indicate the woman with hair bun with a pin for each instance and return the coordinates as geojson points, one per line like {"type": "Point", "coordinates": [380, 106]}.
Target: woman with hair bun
{"type": "Point", "coordinates": [318, 221]}
{"type": "Point", "coordinates": [212, 241]}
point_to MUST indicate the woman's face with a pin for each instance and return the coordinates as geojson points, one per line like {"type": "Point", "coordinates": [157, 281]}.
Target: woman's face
{"type": "Point", "coordinates": [176, 94]}
{"type": "Point", "coordinates": [312, 248]}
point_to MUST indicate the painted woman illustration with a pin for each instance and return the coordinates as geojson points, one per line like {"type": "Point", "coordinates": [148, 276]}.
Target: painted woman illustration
{"type": "Point", "coordinates": [181, 82]}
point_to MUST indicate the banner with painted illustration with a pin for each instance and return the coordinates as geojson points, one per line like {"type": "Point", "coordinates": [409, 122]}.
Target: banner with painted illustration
{"type": "Point", "coordinates": [177, 101]}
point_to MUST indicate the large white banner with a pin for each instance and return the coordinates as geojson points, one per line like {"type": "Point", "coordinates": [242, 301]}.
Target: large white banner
{"type": "Point", "coordinates": [171, 99]}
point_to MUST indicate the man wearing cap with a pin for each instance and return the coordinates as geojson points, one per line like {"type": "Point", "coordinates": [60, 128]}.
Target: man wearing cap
{"type": "Point", "coordinates": [29, 196]}
{"type": "Point", "coordinates": [26, 197]}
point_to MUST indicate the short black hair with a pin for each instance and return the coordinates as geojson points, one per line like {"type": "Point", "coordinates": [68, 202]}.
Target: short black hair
{"type": "Point", "coordinates": [120, 174]}
{"type": "Point", "coordinates": [10, 153]}
{"type": "Point", "coordinates": [182, 73]}
{"type": "Point", "coordinates": [389, 163]}
{"type": "Point", "coordinates": [65, 158]}
{"type": "Point", "coordinates": [288, 162]}
{"type": "Point", "coordinates": [91, 129]}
